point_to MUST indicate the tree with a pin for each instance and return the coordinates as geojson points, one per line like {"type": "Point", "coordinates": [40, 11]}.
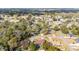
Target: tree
{"type": "Point", "coordinates": [48, 47]}
{"type": "Point", "coordinates": [75, 30]}
{"type": "Point", "coordinates": [64, 29]}
{"type": "Point", "coordinates": [33, 47]}
{"type": "Point", "coordinates": [56, 28]}
{"type": "Point", "coordinates": [12, 43]}
{"type": "Point", "coordinates": [24, 44]}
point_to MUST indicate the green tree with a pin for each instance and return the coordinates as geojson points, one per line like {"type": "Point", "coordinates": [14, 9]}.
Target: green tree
{"type": "Point", "coordinates": [64, 29]}
{"type": "Point", "coordinates": [75, 30]}
{"type": "Point", "coordinates": [48, 47]}
{"type": "Point", "coordinates": [33, 47]}
{"type": "Point", "coordinates": [56, 28]}
{"type": "Point", "coordinates": [12, 43]}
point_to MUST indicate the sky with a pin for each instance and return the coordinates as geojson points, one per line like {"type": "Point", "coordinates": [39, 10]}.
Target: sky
{"type": "Point", "coordinates": [39, 4]}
